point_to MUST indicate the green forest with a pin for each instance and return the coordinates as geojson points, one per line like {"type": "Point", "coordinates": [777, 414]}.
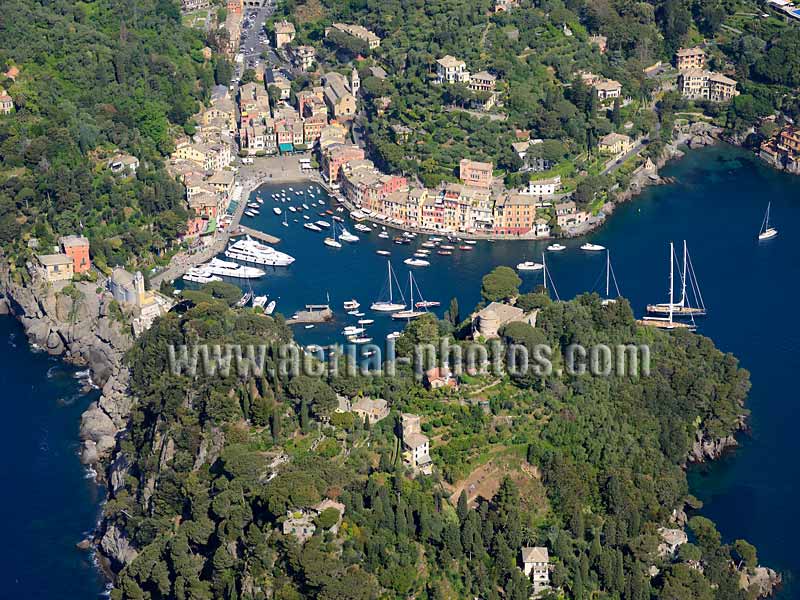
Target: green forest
{"type": "Point", "coordinates": [96, 77]}
{"type": "Point", "coordinates": [595, 466]}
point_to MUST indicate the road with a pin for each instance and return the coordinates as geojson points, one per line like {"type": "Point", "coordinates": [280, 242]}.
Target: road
{"type": "Point", "coordinates": [618, 162]}
{"type": "Point", "coordinates": [254, 41]}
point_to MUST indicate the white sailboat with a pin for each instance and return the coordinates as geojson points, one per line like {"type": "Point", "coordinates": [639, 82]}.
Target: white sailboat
{"type": "Point", "coordinates": [548, 279]}
{"type": "Point", "coordinates": [767, 232]}
{"type": "Point", "coordinates": [332, 241]}
{"type": "Point", "coordinates": [390, 305]}
{"type": "Point", "coordinates": [684, 308]}
{"type": "Point", "coordinates": [610, 277]}
{"type": "Point", "coordinates": [412, 313]}
{"type": "Point", "coordinates": [667, 322]}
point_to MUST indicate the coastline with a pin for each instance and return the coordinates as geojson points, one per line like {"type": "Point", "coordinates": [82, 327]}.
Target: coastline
{"type": "Point", "coordinates": [110, 542]}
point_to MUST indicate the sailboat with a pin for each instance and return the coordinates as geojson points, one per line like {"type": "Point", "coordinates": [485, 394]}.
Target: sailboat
{"type": "Point", "coordinates": [683, 308]}
{"type": "Point", "coordinates": [767, 232]}
{"type": "Point", "coordinates": [609, 278]}
{"type": "Point", "coordinates": [390, 305]}
{"type": "Point", "coordinates": [285, 223]}
{"type": "Point", "coordinates": [332, 241]}
{"type": "Point", "coordinates": [668, 322]}
{"type": "Point", "coordinates": [412, 313]}
{"type": "Point", "coordinates": [547, 277]}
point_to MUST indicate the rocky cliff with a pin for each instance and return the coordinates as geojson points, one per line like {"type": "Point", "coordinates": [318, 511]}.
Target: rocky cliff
{"type": "Point", "coordinates": [77, 322]}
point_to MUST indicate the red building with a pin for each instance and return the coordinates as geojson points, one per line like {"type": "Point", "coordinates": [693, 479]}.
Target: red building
{"type": "Point", "coordinates": [77, 248]}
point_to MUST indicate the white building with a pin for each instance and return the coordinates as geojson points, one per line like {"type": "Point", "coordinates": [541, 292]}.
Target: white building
{"type": "Point", "coordinates": [544, 187]}
{"type": "Point", "coordinates": [536, 561]}
{"type": "Point", "coordinates": [451, 70]}
{"type": "Point", "coordinates": [416, 445]}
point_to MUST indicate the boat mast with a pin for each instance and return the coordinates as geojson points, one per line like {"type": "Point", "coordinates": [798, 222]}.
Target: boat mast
{"type": "Point", "coordinates": [683, 282]}
{"type": "Point", "coordinates": [671, 277]}
{"type": "Point", "coordinates": [608, 269]}
{"type": "Point", "coordinates": [389, 279]}
{"type": "Point", "coordinates": [544, 264]}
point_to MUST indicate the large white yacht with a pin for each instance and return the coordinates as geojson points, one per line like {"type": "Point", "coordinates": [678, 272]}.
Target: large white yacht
{"type": "Point", "coordinates": [251, 251]}
{"type": "Point", "coordinates": [201, 274]}
{"type": "Point", "coordinates": [231, 269]}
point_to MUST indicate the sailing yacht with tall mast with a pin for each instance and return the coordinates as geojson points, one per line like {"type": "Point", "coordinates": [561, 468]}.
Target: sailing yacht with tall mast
{"type": "Point", "coordinates": [683, 308]}
{"type": "Point", "coordinates": [332, 241]}
{"type": "Point", "coordinates": [547, 277]}
{"type": "Point", "coordinates": [413, 312]}
{"type": "Point", "coordinates": [767, 231]}
{"type": "Point", "coordinates": [610, 277]}
{"type": "Point", "coordinates": [389, 305]}
{"type": "Point", "coordinates": [667, 322]}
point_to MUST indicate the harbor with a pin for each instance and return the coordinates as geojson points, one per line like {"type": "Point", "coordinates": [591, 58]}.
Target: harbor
{"type": "Point", "coordinates": [744, 495]}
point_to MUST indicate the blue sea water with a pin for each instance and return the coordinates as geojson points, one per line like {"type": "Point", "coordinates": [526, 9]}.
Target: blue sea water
{"type": "Point", "coordinates": [717, 205]}
{"type": "Point", "coordinates": [49, 501]}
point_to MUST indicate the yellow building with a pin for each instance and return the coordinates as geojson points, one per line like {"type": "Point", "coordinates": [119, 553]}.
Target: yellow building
{"type": "Point", "coordinates": [56, 267]}
{"type": "Point", "coordinates": [615, 143]}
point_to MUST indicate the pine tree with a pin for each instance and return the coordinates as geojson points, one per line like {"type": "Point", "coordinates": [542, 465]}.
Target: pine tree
{"type": "Point", "coordinates": [577, 586]}
{"type": "Point", "coordinates": [616, 113]}
{"type": "Point", "coordinates": [463, 507]}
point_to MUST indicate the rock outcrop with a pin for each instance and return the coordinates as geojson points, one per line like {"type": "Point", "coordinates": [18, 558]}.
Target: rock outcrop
{"type": "Point", "coordinates": [706, 449]}
{"type": "Point", "coordinates": [117, 548]}
{"type": "Point", "coordinates": [763, 580]}
{"type": "Point", "coordinates": [76, 322]}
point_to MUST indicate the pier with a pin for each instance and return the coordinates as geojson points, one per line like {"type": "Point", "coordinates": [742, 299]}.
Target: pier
{"type": "Point", "coordinates": [314, 313]}
{"type": "Point", "coordinates": [255, 234]}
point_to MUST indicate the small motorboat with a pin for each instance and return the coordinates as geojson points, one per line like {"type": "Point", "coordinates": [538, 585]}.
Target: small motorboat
{"type": "Point", "coordinates": [556, 247]}
{"type": "Point", "coordinates": [428, 304]}
{"type": "Point", "coordinates": [311, 226]}
{"type": "Point", "coordinates": [383, 252]}
{"type": "Point", "coordinates": [323, 224]}
{"type": "Point", "coordinates": [362, 228]}
{"type": "Point", "coordinates": [393, 336]}
{"type": "Point", "coordinates": [366, 321]}
{"type": "Point", "coordinates": [530, 266]}
{"type": "Point", "coordinates": [592, 247]}
{"type": "Point", "coordinates": [464, 247]}
{"type": "Point", "coordinates": [251, 213]}
{"type": "Point", "coordinates": [351, 304]}
{"type": "Point", "coordinates": [305, 206]}
{"type": "Point", "coordinates": [277, 210]}
{"type": "Point", "coordinates": [383, 235]}
{"type": "Point", "coordinates": [447, 247]}
{"type": "Point", "coordinates": [445, 252]}
{"type": "Point", "coordinates": [348, 237]}
{"type": "Point", "coordinates": [293, 209]}
{"type": "Point", "coordinates": [416, 262]}
{"type": "Point", "coordinates": [471, 242]}
{"type": "Point", "coordinates": [270, 307]}
{"type": "Point", "coordinates": [309, 326]}
{"type": "Point", "coordinates": [328, 241]}
{"type": "Point", "coordinates": [259, 301]}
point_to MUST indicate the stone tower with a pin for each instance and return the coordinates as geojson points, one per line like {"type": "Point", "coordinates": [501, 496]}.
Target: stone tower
{"type": "Point", "coordinates": [355, 82]}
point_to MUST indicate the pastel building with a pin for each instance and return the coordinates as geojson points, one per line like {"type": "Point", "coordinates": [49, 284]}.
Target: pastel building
{"type": "Point", "coordinates": [77, 248]}
{"type": "Point", "coordinates": [475, 173]}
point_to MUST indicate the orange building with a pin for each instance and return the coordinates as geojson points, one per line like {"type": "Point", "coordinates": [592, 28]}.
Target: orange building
{"type": "Point", "coordinates": [77, 248]}
{"type": "Point", "coordinates": [475, 173]}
